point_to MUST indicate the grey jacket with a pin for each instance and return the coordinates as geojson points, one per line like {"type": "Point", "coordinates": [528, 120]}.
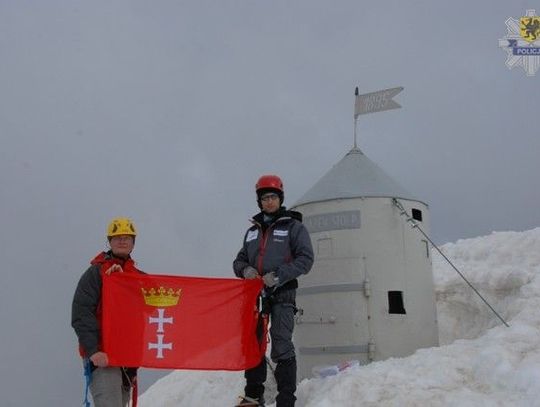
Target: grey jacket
{"type": "Point", "coordinates": [283, 247]}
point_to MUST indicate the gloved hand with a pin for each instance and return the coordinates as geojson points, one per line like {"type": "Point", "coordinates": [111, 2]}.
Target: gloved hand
{"type": "Point", "coordinates": [270, 279]}
{"type": "Point", "coordinates": [250, 273]}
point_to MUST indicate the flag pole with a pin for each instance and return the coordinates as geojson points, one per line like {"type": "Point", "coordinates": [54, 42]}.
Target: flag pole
{"type": "Point", "coordinates": [355, 116]}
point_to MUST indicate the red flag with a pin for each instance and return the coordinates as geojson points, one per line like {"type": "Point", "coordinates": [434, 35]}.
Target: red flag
{"type": "Point", "coordinates": [178, 322]}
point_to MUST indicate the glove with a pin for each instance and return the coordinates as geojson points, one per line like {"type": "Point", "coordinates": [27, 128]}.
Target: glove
{"type": "Point", "coordinates": [270, 279]}
{"type": "Point", "coordinates": [250, 273]}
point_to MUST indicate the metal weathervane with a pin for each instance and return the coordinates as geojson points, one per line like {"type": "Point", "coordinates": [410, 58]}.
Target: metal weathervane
{"type": "Point", "coordinates": [374, 102]}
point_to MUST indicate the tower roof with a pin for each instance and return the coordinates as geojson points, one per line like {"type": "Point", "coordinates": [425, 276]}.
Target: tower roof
{"type": "Point", "coordinates": [355, 176]}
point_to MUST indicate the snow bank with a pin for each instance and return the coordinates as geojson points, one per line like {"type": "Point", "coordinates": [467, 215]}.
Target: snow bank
{"type": "Point", "coordinates": [499, 266]}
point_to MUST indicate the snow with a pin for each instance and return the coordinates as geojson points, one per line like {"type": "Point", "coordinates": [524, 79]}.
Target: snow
{"type": "Point", "coordinates": [480, 361]}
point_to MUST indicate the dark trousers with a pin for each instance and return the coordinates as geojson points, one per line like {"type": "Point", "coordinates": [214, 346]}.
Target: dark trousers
{"type": "Point", "coordinates": [285, 375]}
{"type": "Point", "coordinates": [281, 329]}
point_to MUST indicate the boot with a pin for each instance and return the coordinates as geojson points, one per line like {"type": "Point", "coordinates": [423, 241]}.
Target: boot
{"type": "Point", "coordinates": [245, 401]}
{"type": "Point", "coordinates": [286, 382]}
{"type": "Point", "coordinates": [255, 379]}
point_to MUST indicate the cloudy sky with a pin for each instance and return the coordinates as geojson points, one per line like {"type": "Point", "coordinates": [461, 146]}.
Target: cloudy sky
{"type": "Point", "coordinates": [168, 111]}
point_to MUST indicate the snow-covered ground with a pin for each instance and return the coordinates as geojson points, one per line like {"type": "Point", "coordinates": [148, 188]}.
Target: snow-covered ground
{"type": "Point", "coordinates": [480, 361]}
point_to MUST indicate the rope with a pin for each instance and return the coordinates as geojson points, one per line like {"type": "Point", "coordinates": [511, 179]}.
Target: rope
{"type": "Point", "coordinates": [133, 385]}
{"type": "Point", "coordinates": [269, 364]}
{"type": "Point", "coordinates": [87, 369]}
{"type": "Point", "coordinates": [135, 393]}
{"type": "Point", "coordinates": [414, 225]}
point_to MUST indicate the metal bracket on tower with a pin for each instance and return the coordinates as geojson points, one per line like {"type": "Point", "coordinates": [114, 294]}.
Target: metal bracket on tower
{"type": "Point", "coordinates": [371, 351]}
{"type": "Point", "coordinates": [367, 288]}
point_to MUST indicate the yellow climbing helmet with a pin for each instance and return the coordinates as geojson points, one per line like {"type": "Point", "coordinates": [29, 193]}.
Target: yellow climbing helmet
{"type": "Point", "coordinates": [121, 226]}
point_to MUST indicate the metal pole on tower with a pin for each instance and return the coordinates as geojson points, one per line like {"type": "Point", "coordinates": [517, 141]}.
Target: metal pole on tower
{"type": "Point", "coordinates": [355, 116]}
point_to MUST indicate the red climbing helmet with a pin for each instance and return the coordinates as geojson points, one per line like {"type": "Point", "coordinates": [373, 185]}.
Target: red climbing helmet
{"type": "Point", "coordinates": [269, 182]}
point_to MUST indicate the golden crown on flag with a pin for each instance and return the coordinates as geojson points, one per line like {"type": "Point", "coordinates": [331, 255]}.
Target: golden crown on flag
{"type": "Point", "coordinates": [162, 297]}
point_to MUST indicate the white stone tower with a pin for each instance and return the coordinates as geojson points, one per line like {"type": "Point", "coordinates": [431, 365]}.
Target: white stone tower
{"type": "Point", "coordinates": [370, 293]}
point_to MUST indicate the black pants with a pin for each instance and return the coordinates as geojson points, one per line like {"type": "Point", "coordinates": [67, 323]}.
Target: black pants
{"type": "Point", "coordinates": [285, 375]}
{"type": "Point", "coordinates": [282, 310]}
